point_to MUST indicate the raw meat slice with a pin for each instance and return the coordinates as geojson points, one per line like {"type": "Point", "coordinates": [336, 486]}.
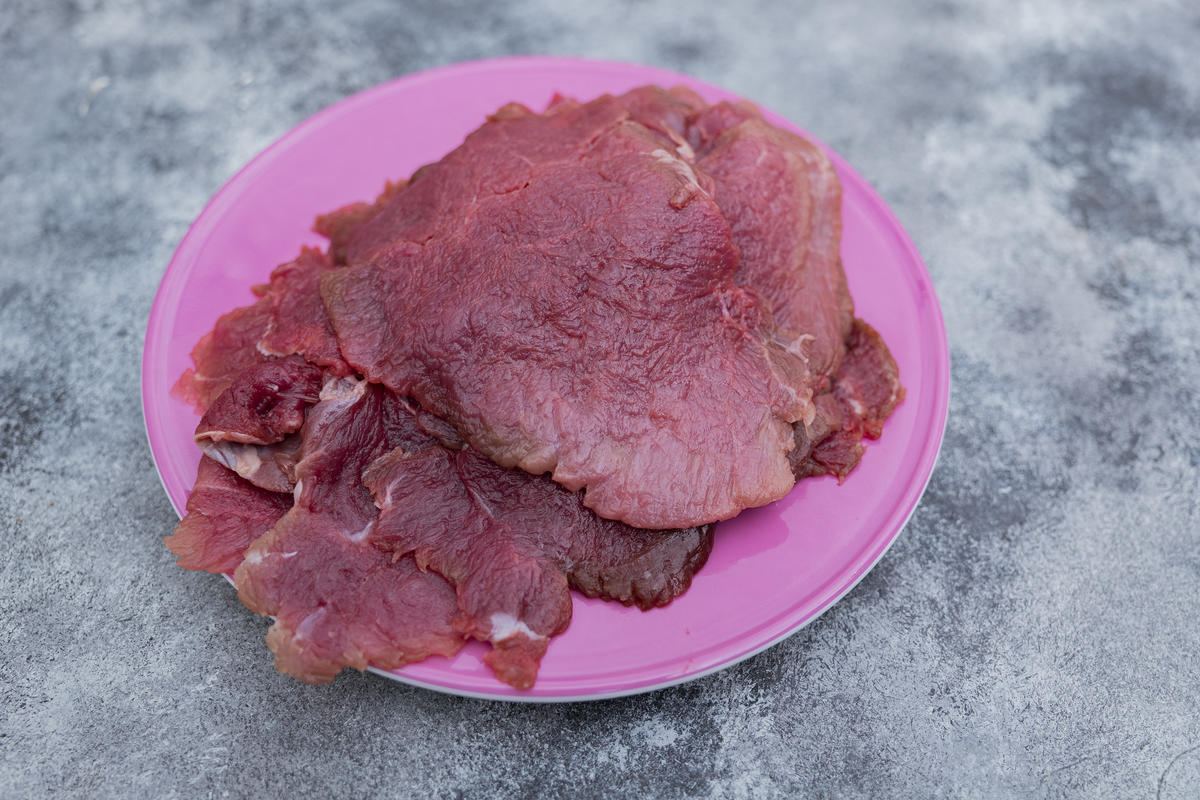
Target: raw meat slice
{"type": "Point", "coordinates": [264, 403]}
{"type": "Point", "coordinates": [864, 393]}
{"type": "Point", "coordinates": [339, 226]}
{"type": "Point", "coordinates": [783, 200]}
{"type": "Point", "coordinates": [224, 515]}
{"type": "Point", "coordinates": [298, 323]}
{"type": "Point", "coordinates": [223, 352]}
{"type": "Point", "coordinates": [251, 427]}
{"type": "Point", "coordinates": [512, 543]}
{"type": "Point", "coordinates": [338, 600]}
{"type": "Point", "coordinates": [288, 318]}
{"type": "Point", "coordinates": [790, 249]}
{"type": "Point", "coordinates": [560, 289]}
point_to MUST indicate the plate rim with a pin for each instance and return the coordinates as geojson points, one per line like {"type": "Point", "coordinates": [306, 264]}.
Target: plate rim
{"type": "Point", "coordinates": [205, 222]}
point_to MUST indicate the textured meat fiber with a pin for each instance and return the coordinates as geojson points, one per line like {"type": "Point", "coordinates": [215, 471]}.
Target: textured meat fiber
{"type": "Point", "coordinates": [263, 404]}
{"type": "Point", "coordinates": [224, 515]}
{"type": "Point", "coordinates": [339, 226]}
{"type": "Point", "coordinates": [561, 289]}
{"type": "Point", "coordinates": [513, 543]}
{"type": "Point", "coordinates": [783, 201]}
{"type": "Point", "coordinates": [346, 579]}
{"type": "Point", "coordinates": [782, 198]}
{"type": "Point", "coordinates": [289, 318]}
{"type": "Point", "coordinates": [863, 395]}
{"type": "Point", "coordinates": [251, 427]}
{"type": "Point", "coordinates": [338, 600]}
{"type": "Point", "coordinates": [298, 323]}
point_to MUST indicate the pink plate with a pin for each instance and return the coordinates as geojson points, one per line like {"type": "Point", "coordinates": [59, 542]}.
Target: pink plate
{"type": "Point", "coordinates": [773, 569]}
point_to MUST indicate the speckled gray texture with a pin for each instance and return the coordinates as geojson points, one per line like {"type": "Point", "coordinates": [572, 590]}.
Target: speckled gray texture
{"type": "Point", "coordinates": [1035, 631]}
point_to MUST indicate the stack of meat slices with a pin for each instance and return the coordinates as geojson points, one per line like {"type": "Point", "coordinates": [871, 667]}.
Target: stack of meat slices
{"type": "Point", "coordinates": [551, 360]}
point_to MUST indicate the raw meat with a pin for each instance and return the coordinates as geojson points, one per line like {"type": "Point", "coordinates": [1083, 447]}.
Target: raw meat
{"type": "Point", "coordinates": [864, 393]}
{"type": "Point", "coordinates": [339, 226]}
{"type": "Point", "coordinates": [783, 201]}
{"type": "Point", "coordinates": [298, 323]}
{"type": "Point", "coordinates": [223, 352]}
{"type": "Point", "coordinates": [250, 427]}
{"type": "Point", "coordinates": [289, 318]}
{"type": "Point", "coordinates": [641, 295]}
{"type": "Point", "coordinates": [782, 198]}
{"type": "Point", "coordinates": [511, 543]}
{"type": "Point", "coordinates": [263, 404]}
{"type": "Point", "coordinates": [561, 289]}
{"type": "Point", "coordinates": [338, 600]}
{"type": "Point", "coordinates": [224, 515]}
{"type": "Point", "coordinates": [667, 112]}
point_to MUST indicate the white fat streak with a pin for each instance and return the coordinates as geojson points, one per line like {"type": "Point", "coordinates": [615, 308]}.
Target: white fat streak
{"type": "Point", "coordinates": [799, 345]}
{"type": "Point", "coordinates": [305, 628]}
{"type": "Point", "coordinates": [220, 455]}
{"type": "Point", "coordinates": [506, 625]}
{"type": "Point", "coordinates": [241, 458]}
{"type": "Point", "coordinates": [248, 461]}
{"type": "Point", "coordinates": [361, 535]}
{"type": "Point", "coordinates": [343, 390]}
{"type": "Point", "coordinates": [676, 163]}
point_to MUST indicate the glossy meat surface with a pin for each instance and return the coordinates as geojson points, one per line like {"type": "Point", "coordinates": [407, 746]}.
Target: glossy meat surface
{"type": "Point", "coordinates": [561, 289]}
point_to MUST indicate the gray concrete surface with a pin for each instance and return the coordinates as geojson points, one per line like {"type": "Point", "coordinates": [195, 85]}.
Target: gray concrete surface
{"type": "Point", "coordinates": [1034, 632]}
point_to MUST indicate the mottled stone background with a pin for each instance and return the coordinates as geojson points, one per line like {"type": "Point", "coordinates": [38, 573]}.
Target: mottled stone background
{"type": "Point", "coordinates": [1034, 632]}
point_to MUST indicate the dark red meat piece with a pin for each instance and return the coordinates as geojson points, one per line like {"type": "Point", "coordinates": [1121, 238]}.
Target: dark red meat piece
{"type": "Point", "coordinates": [339, 226]}
{"type": "Point", "coordinates": [864, 393]}
{"type": "Point", "coordinates": [868, 382]}
{"type": "Point", "coordinates": [298, 322]}
{"type": "Point", "coordinates": [561, 289]}
{"type": "Point", "coordinates": [289, 318]}
{"type": "Point", "coordinates": [264, 403]}
{"type": "Point", "coordinates": [783, 201]}
{"type": "Point", "coordinates": [512, 543]}
{"type": "Point", "coordinates": [338, 600]}
{"type": "Point", "coordinates": [826, 422]}
{"type": "Point", "coordinates": [251, 427]}
{"type": "Point", "coordinates": [230, 347]}
{"type": "Point", "coordinates": [224, 515]}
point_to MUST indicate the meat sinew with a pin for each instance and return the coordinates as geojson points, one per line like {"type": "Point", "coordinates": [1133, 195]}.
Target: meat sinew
{"type": "Point", "coordinates": [561, 289]}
